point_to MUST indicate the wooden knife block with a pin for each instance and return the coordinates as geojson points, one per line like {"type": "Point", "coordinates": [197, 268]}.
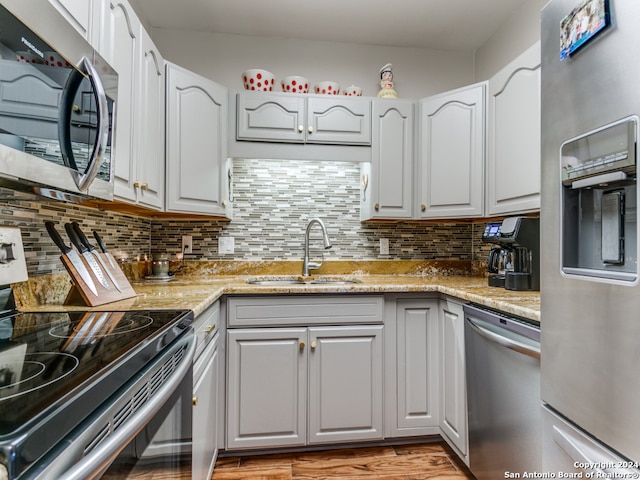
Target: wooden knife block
{"type": "Point", "coordinates": [81, 293]}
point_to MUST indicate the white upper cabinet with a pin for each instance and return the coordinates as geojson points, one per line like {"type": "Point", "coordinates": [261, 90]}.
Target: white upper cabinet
{"type": "Point", "coordinates": [339, 120]}
{"type": "Point", "coordinates": [513, 166]}
{"type": "Point", "coordinates": [387, 182]}
{"type": "Point", "coordinates": [198, 171]}
{"type": "Point", "coordinates": [80, 14]}
{"type": "Point", "coordinates": [150, 126]}
{"type": "Point", "coordinates": [139, 143]}
{"type": "Point", "coordinates": [451, 164]}
{"type": "Point", "coordinates": [291, 118]}
{"type": "Point", "coordinates": [276, 118]}
{"type": "Point", "coordinates": [119, 44]}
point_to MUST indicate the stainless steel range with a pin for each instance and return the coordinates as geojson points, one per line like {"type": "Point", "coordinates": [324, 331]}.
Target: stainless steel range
{"type": "Point", "coordinates": [83, 392]}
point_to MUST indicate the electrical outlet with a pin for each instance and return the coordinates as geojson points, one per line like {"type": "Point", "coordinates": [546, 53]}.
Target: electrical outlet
{"type": "Point", "coordinates": [226, 245]}
{"type": "Point", "coordinates": [384, 246]}
{"type": "Point", "coordinates": [13, 266]}
{"type": "Point", "coordinates": [187, 244]}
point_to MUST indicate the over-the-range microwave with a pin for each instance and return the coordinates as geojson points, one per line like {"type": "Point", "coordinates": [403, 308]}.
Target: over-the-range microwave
{"type": "Point", "coordinates": [57, 101]}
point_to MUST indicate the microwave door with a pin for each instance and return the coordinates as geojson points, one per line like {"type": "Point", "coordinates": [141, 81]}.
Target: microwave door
{"type": "Point", "coordinates": [84, 108]}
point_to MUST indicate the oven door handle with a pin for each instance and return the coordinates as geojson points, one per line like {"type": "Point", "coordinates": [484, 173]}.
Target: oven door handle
{"type": "Point", "coordinates": [98, 460]}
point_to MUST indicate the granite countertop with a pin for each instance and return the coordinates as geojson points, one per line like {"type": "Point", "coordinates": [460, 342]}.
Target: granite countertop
{"type": "Point", "coordinates": [198, 292]}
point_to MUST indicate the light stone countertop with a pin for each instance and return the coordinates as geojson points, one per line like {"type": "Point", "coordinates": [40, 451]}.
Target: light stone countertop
{"type": "Point", "coordinates": [198, 292]}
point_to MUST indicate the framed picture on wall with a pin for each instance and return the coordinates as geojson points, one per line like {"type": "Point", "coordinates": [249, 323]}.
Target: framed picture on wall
{"type": "Point", "coordinates": [583, 23]}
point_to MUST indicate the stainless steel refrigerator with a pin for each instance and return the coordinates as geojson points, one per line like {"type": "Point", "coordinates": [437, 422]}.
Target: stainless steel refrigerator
{"type": "Point", "coordinates": [590, 295]}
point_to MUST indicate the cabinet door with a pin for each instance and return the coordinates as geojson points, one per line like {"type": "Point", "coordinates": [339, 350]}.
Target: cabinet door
{"type": "Point", "coordinates": [205, 412]}
{"type": "Point", "coordinates": [452, 154]}
{"type": "Point", "coordinates": [79, 13]}
{"type": "Point", "coordinates": [345, 383]}
{"type": "Point", "coordinates": [453, 393]}
{"type": "Point", "coordinates": [266, 387]}
{"type": "Point", "coordinates": [417, 367]}
{"type": "Point", "coordinates": [390, 176]}
{"type": "Point", "coordinates": [197, 179]}
{"type": "Point", "coordinates": [273, 117]}
{"type": "Point", "coordinates": [513, 173]}
{"type": "Point", "coordinates": [334, 120]}
{"type": "Point", "coordinates": [119, 45]}
{"type": "Point", "coordinates": [150, 125]}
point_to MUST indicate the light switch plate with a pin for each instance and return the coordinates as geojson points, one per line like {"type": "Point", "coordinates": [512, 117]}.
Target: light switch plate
{"type": "Point", "coordinates": [226, 245]}
{"type": "Point", "coordinates": [13, 266]}
{"type": "Point", "coordinates": [384, 246]}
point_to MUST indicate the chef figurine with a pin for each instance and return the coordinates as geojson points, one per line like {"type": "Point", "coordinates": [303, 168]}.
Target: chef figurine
{"type": "Point", "coordinates": [386, 83]}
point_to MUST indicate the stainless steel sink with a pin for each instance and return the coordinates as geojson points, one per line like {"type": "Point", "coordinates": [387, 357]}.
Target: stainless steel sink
{"type": "Point", "coordinates": [275, 282]}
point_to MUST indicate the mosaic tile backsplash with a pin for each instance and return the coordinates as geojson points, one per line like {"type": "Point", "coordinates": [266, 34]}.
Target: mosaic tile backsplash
{"type": "Point", "coordinates": [273, 202]}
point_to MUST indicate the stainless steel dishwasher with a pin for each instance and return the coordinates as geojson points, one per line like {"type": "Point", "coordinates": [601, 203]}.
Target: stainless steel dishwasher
{"type": "Point", "coordinates": [503, 393]}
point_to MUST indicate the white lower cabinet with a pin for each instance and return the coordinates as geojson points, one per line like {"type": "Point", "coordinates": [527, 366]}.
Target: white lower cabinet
{"type": "Point", "coordinates": [306, 384]}
{"type": "Point", "coordinates": [412, 401]}
{"type": "Point", "coordinates": [266, 387]}
{"type": "Point", "coordinates": [207, 383]}
{"type": "Point", "coordinates": [345, 383]}
{"type": "Point", "coordinates": [453, 392]}
{"type": "Point", "coordinates": [205, 412]}
{"type": "Point", "coordinates": [281, 379]}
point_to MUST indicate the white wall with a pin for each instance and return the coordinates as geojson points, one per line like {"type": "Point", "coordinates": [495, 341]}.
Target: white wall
{"type": "Point", "coordinates": [221, 57]}
{"type": "Point", "coordinates": [512, 38]}
{"type": "Point", "coordinates": [417, 72]}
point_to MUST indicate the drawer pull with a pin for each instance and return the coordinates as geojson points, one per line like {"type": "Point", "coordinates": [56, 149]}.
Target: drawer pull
{"type": "Point", "coordinates": [210, 329]}
{"type": "Point", "coordinates": [301, 346]}
{"type": "Point", "coordinates": [313, 345]}
{"type": "Point", "coordinates": [194, 400]}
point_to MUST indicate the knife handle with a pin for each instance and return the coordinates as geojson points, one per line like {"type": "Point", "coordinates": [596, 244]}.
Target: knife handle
{"type": "Point", "coordinates": [73, 236]}
{"type": "Point", "coordinates": [83, 238]}
{"type": "Point", "coordinates": [98, 238]}
{"type": "Point", "coordinates": [55, 236]}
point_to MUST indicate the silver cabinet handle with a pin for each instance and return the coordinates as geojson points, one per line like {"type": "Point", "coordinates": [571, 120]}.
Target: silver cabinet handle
{"type": "Point", "coordinates": [310, 129]}
{"type": "Point", "coordinates": [301, 128]}
{"type": "Point", "coordinates": [503, 341]}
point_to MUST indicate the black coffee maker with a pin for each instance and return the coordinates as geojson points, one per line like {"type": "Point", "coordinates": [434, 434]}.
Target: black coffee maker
{"type": "Point", "coordinates": [514, 263]}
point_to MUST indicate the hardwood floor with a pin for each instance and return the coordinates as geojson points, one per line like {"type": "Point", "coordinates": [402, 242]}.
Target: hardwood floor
{"type": "Point", "coordinates": [433, 461]}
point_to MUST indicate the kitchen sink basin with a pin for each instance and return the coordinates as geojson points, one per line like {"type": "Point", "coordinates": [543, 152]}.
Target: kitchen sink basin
{"type": "Point", "coordinates": [275, 282]}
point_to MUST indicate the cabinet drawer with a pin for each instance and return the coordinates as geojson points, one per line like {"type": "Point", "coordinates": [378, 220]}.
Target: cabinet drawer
{"type": "Point", "coordinates": [206, 325]}
{"type": "Point", "coordinates": [304, 310]}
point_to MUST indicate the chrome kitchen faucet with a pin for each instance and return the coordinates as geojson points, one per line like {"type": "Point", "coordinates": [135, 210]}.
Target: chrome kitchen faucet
{"type": "Point", "coordinates": [306, 264]}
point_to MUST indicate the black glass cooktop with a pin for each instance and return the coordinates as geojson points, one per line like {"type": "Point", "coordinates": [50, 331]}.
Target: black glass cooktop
{"type": "Point", "coordinates": [58, 367]}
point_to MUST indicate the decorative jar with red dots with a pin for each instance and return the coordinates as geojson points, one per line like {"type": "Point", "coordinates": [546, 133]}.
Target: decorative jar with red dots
{"type": "Point", "coordinates": [327, 88]}
{"type": "Point", "coordinates": [258, 80]}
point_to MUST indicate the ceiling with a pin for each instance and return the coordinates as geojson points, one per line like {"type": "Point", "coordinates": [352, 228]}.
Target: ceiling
{"type": "Point", "coordinates": [452, 25]}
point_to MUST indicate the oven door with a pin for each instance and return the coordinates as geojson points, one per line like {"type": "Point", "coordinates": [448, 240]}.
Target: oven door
{"type": "Point", "coordinates": [142, 431]}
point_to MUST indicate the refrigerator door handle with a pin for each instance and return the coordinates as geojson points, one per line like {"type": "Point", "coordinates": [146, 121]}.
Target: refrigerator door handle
{"type": "Point", "coordinates": [575, 448]}
{"type": "Point", "coordinates": [519, 347]}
